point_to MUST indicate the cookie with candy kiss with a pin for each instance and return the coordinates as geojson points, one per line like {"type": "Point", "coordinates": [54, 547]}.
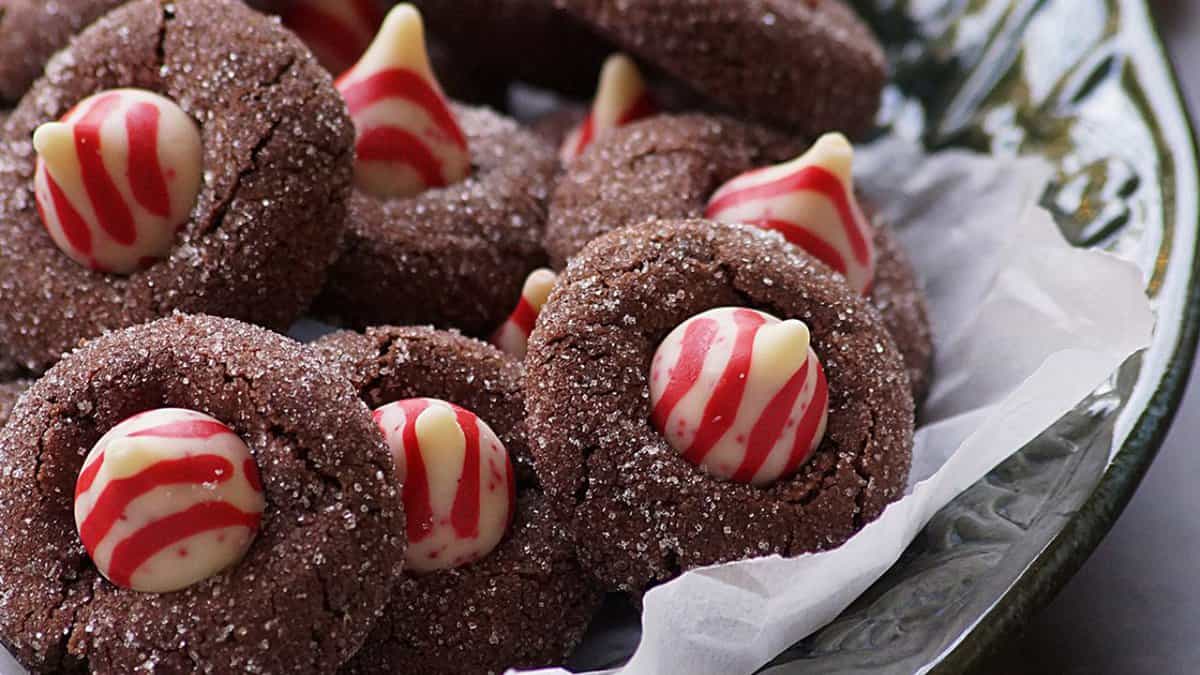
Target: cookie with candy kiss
{"type": "Point", "coordinates": [700, 392]}
{"type": "Point", "coordinates": [448, 216]}
{"type": "Point", "coordinates": [193, 156]}
{"type": "Point", "coordinates": [520, 602]}
{"type": "Point", "coordinates": [236, 484]}
{"type": "Point", "coordinates": [166, 499]}
{"type": "Point", "coordinates": [687, 166]}
{"type": "Point", "coordinates": [117, 177]}
{"type": "Point", "coordinates": [621, 97]}
{"type": "Point", "coordinates": [740, 393]}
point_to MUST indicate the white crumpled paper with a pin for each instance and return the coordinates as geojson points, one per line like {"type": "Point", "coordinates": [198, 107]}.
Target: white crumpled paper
{"type": "Point", "coordinates": [1025, 326]}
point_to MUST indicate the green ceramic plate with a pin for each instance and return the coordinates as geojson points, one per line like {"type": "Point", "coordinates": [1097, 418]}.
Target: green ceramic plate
{"type": "Point", "coordinates": [1084, 84]}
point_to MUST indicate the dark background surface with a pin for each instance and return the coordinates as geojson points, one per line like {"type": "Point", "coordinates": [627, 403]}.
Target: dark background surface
{"type": "Point", "coordinates": [1134, 607]}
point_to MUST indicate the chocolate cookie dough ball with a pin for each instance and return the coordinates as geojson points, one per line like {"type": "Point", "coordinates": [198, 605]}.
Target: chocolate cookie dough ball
{"type": "Point", "coordinates": [670, 166]}
{"type": "Point", "coordinates": [32, 30]}
{"type": "Point", "coordinates": [524, 603]}
{"type": "Point", "coordinates": [327, 534]}
{"type": "Point", "coordinates": [807, 66]}
{"type": "Point", "coordinates": [640, 510]}
{"type": "Point", "coordinates": [454, 256]}
{"type": "Point", "coordinates": [275, 165]}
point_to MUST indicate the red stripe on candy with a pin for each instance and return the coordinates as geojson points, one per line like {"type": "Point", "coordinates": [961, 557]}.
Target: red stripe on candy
{"type": "Point", "coordinates": [73, 225]}
{"type": "Point", "coordinates": [145, 173]}
{"type": "Point", "coordinates": [722, 408]}
{"type": "Point", "coordinates": [407, 85]}
{"type": "Point", "coordinates": [806, 430]}
{"type": "Point", "coordinates": [111, 210]}
{"type": "Point", "coordinates": [418, 504]}
{"type": "Point", "coordinates": [132, 552]}
{"type": "Point", "coordinates": [87, 477]}
{"type": "Point", "coordinates": [117, 495]}
{"type": "Point", "coordinates": [393, 144]}
{"type": "Point", "coordinates": [524, 316]}
{"type": "Point", "coordinates": [251, 470]}
{"type": "Point", "coordinates": [697, 339]}
{"type": "Point", "coordinates": [806, 240]}
{"type": "Point", "coordinates": [813, 179]}
{"type": "Point", "coordinates": [198, 428]}
{"type": "Point", "coordinates": [587, 132]}
{"type": "Point", "coordinates": [769, 426]}
{"type": "Point", "coordinates": [464, 515]}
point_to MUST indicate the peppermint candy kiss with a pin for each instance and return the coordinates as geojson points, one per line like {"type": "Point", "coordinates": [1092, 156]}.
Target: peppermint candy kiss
{"type": "Point", "coordinates": [337, 31]}
{"type": "Point", "coordinates": [459, 488]}
{"type": "Point", "coordinates": [408, 138]}
{"type": "Point", "coordinates": [621, 98]}
{"type": "Point", "coordinates": [513, 335]}
{"type": "Point", "coordinates": [810, 200]}
{"type": "Point", "coordinates": [117, 178]}
{"type": "Point", "coordinates": [166, 499]}
{"type": "Point", "coordinates": [740, 393]}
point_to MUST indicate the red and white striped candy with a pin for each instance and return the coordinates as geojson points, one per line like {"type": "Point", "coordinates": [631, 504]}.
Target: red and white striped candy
{"type": "Point", "coordinates": [117, 177]}
{"type": "Point", "coordinates": [740, 393]}
{"type": "Point", "coordinates": [408, 138]}
{"type": "Point", "coordinates": [458, 481]}
{"type": "Point", "coordinates": [621, 98]}
{"type": "Point", "coordinates": [513, 335]}
{"type": "Point", "coordinates": [337, 31]}
{"type": "Point", "coordinates": [166, 499]}
{"type": "Point", "coordinates": [810, 200]}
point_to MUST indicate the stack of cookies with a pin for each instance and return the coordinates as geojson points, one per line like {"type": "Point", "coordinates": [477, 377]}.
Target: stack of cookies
{"type": "Point", "coordinates": [577, 356]}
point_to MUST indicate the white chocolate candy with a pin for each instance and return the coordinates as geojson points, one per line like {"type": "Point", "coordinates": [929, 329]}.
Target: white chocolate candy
{"type": "Point", "coordinates": [810, 200]}
{"type": "Point", "coordinates": [337, 31]}
{"type": "Point", "coordinates": [408, 138]}
{"type": "Point", "coordinates": [621, 98]}
{"type": "Point", "coordinates": [166, 499]}
{"type": "Point", "coordinates": [740, 393]}
{"type": "Point", "coordinates": [459, 488]}
{"type": "Point", "coordinates": [116, 178]}
{"type": "Point", "coordinates": [513, 335]}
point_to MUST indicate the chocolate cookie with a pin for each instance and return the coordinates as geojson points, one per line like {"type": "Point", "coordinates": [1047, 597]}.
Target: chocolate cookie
{"type": "Point", "coordinates": [639, 510]}
{"type": "Point", "coordinates": [669, 167]}
{"type": "Point", "coordinates": [734, 52]}
{"type": "Point", "coordinates": [527, 602]}
{"type": "Point", "coordinates": [31, 31]}
{"type": "Point", "coordinates": [276, 158]}
{"type": "Point", "coordinates": [453, 256]}
{"type": "Point", "coordinates": [389, 363]}
{"type": "Point", "coordinates": [529, 40]}
{"type": "Point", "coordinates": [325, 555]}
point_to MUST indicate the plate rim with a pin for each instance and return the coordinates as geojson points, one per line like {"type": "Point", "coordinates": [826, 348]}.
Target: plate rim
{"type": "Point", "coordinates": [1066, 552]}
